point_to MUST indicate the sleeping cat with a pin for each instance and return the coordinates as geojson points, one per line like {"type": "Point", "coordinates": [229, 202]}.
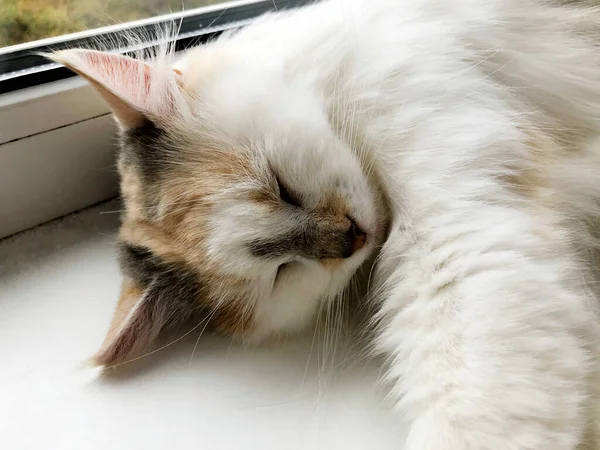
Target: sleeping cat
{"type": "Point", "coordinates": [457, 140]}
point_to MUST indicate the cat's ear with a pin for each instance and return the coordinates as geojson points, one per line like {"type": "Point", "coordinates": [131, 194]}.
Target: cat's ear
{"type": "Point", "coordinates": [133, 89]}
{"type": "Point", "coordinates": [139, 318]}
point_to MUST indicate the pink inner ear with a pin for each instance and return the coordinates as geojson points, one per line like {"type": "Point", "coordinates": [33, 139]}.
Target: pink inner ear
{"type": "Point", "coordinates": [135, 81]}
{"type": "Point", "coordinates": [131, 87]}
{"type": "Point", "coordinates": [120, 68]}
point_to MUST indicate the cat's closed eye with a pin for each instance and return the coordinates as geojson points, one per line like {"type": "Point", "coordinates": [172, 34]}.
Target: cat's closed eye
{"type": "Point", "coordinates": [286, 195]}
{"type": "Point", "coordinates": [281, 269]}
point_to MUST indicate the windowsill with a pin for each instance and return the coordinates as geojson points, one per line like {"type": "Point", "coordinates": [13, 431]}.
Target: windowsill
{"type": "Point", "coordinates": [58, 286]}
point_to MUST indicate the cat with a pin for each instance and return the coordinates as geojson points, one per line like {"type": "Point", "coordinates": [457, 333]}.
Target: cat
{"type": "Point", "coordinates": [455, 141]}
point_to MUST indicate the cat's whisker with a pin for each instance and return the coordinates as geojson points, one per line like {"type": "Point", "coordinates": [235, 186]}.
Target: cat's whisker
{"type": "Point", "coordinates": [207, 320]}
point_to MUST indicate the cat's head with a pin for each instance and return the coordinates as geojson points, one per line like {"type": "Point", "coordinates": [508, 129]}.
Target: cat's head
{"type": "Point", "coordinates": [241, 204]}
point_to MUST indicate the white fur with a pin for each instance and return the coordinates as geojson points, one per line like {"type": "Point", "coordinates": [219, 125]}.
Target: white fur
{"type": "Point", "coordinates": [488, 311]}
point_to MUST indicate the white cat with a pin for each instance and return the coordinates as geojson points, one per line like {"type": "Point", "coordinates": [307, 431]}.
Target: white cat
{"type": "Point", "coordinates": [261, 170]}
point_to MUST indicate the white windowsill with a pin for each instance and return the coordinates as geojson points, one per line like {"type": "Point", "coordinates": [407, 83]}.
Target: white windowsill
{"type": "Point", "coordinates": [57, 148]}
{"type": "Point", "coordinates": [58, 286]}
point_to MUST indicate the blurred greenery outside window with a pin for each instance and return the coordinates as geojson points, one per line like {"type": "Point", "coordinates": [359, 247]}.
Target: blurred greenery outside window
{"type": "Point", "coordinates": [30, 20]}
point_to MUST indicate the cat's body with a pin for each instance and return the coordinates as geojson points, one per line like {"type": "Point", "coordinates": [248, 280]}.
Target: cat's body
{"type": "Point", "coordinates": [461, 136]}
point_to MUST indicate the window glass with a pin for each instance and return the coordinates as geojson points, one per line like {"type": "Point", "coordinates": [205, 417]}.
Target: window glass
{"type": "Point", "coordinates": [30, 20]}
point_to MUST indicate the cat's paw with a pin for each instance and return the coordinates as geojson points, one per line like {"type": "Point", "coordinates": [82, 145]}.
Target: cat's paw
{"type": "Point", "coordinates": [436, 439]}
{"type": "Point", "coordinates": [447, 433]}
{"type": "Point", "coordinates": [435, 434]}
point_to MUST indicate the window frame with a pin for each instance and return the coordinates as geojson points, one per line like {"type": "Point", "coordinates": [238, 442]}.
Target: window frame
{"type": "Point", "coordinates": [57, 139]}
{"type": "Point", "coordinates": [21, 66]}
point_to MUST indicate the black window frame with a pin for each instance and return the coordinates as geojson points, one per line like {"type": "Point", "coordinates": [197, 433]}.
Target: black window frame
{"type": "Point", "coordinates": [24, 68]}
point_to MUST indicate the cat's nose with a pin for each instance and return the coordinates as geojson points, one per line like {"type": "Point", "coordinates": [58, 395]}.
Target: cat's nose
{"type": "Point", "coordinates": [355, 240]}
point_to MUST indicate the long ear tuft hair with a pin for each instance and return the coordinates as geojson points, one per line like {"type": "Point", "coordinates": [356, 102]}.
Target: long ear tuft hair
{"type": "Point", "coordinates": [138, 88]}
